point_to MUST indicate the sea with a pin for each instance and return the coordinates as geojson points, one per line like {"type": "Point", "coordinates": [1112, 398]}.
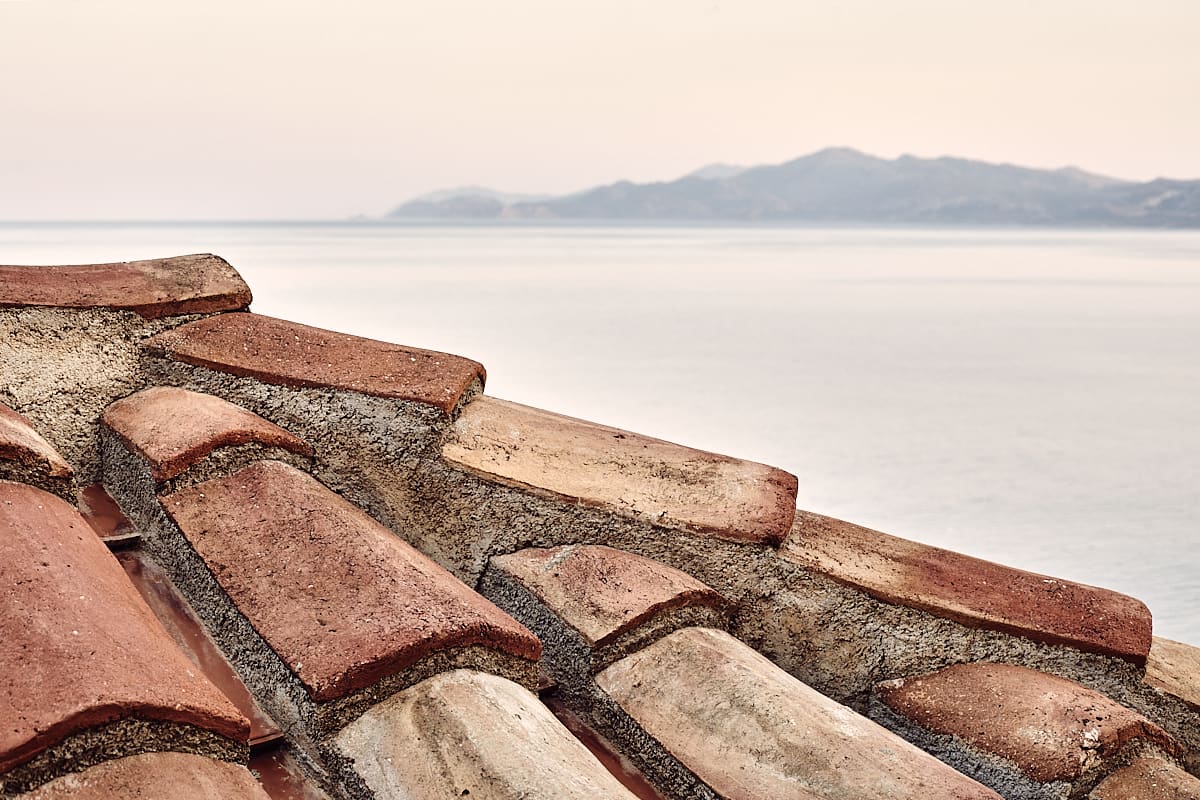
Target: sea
{"type": "Point", "coordinates": [1027, 396]}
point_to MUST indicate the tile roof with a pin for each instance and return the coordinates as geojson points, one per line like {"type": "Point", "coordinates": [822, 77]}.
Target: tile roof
{"type": "Point", "coordinates": [356, 622]}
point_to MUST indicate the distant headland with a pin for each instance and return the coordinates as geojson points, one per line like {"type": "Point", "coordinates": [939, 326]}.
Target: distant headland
{"type": "Point", "coordinates": [841, 185]}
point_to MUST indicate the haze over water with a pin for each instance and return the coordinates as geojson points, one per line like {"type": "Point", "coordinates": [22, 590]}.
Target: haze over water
{"type": "Point", "coordinates": [1025, 396]}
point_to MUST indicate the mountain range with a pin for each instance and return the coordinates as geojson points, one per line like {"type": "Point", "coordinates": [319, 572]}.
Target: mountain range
{"type": "Point", "coordinates": [841, 185]}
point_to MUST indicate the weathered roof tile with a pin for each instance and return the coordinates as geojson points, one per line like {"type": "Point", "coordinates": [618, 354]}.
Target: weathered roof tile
{"type": "Point", "coordinates": [470, 734]}
{"type": "Point", "coordinates": [161, 287]}
{"type": "Point", "coordinates": [969, 590]}
{"type": "Point", "coordinates": [751, 731]}
{"type": "Point", "coordinates": [25, 450]}
{"type": "Point", "coordinates": [154, 776]}
{"type": "Point", "coordinates": [602, 592]}
{"type": "Point", "coordinates": [286, 353]}
{"type": "Point", "coordinates": [341, 599]}
{"type": "Point", "coordinates": [626, 473]}
{"type": "Point", "coordinates": [1050, 728]}
{"type": "Point", "coordinates": [1148, 778]}
{"type": "Point", "coordinates": [1174, 667]}
{"type": "Point", "coordinates": [80, 648]}
{"type": "Point", "coordinates": [173, 429]}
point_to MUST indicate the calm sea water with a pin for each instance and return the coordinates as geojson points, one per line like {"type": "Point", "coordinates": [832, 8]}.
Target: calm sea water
{"type": "Point", "coordinates": [1025, 396]}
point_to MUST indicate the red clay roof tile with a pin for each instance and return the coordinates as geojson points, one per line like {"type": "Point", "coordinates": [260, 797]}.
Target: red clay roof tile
{"type": "Point", "coordinates": [626, 473]}
{"type": "Point", "coordinates": [341, 599]}
{"type": "Point", "coordinates": [969, 590]}
{"type": "Point", "coordinates": [80, 648]}
{"type": "Point", "coordinates": [602, 592]}
{"type": "Point", "coordinates": [161, 287]}
{"type": "Point", "coordinates": [185, 628]}
{"type": "Point", "coordinates": [155, 776]}
{"type": "Point", "coordinates": [751, 731]}
{"type": "Point", "coordinates": [173, 428]}
{"type": "Point", "coordinates": [1175, 667]}
{"type": "Point", "coordinates": [22, 444]}
{"type": "Point", "coordinates": [289, 354]}
{"type": "Point", "coordinates": [469, 734]}
{"type": "Point", "coordinates": [1148, 778]}
{"type": "Point", "coordinates": [1051, 728]}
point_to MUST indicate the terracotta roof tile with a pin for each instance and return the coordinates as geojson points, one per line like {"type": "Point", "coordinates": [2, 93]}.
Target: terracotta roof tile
{"type": "Point", "coordinates": [24, 448]}
{"type": "Point", "coordinates": [629, 474]}
{"type": "Point", "coordinates": [470, 734]}
{"type": "Point", "coordinates": [969, 590]}
{"type": "Point", "coordinates": [341, 599]}
{"type": "Point", "coordinates": [188, 633]}
{"type": "Point", "coordinates": [97, 652]}
{"type": "Point", "coordinates": [290, 354]}
{"type": "Point", "coordinates": [161, 287]}
{"type": "Point", "coordinates": [1148, 778]}
{"type": "Point", "coordinates": [1175, 667]}
{"type": "Point", "coordinates": [750, 730]}
{"type": "Point", "coordinates": [155, 776]}
{"type": "Point", "coordinates": [173, 428]}
{"type": "Point", "coordinates": [1050, 728]}
{"type": "Point", "coordinates": [602, 592]}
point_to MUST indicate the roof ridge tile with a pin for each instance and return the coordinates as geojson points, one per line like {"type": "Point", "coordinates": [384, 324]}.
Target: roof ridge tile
{"type": "Point", "coordinates": [970, 590]}
{"type": "Point", "coordinates": [975, 713]}
{"type": "Point", "coordinates": [160, 287]}
{"type": "Point", "coordinates": [280, 352]}
{"type": "Point", "coordinates": [625, 473]}
{"type": "Point", "coordinates": [26, 456]}
{"type": "Point", "coordinates": [101, 656]}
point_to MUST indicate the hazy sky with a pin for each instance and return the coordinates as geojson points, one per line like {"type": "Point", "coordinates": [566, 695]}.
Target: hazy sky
{"type": "Point", "coordinates": [148, 109]}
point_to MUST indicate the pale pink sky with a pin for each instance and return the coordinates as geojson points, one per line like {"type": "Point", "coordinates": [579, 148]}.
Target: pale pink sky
{"type": "Point", "coordinates": [145, 109]}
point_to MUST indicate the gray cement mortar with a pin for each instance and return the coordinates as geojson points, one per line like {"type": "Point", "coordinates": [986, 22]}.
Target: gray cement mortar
{"type": "Point", "coordinates": [61, 368]}
{"type": "Point", "coordinates": [125, 737]}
